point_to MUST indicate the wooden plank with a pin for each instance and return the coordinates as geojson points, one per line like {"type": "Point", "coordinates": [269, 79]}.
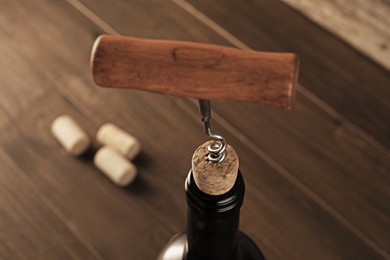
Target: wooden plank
{"type": "Point", "coordinates": [326, 156]}
{"type": "Point", "coordinates": [114, 226]}
{"type": "Point", "coordinates": [363, 24]}
{"type": "Point", "coordinates": [24, 55]}
{"type": "Point", "coordinates": [62, 66]}
{"type": "Point", "coordinates": [343, 80]}
{"type": "Point", "coordinates": [335, 195]}
{"type": "Point", "coordinates": [124, 8]}
{"type": "Point", "coordinates": [136, 222]}
{"type": "Point", "coordinates": [118, 223]}
{"type": "Point", "coordinates": [4, 117]}
{"type": "Point", "coordinates": [29, 228]}
{"type": "Point", "coordinates": [267, 188]}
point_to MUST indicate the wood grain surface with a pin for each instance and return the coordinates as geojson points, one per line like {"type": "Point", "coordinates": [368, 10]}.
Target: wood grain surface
{"type": "Point", "coordinates": [317, 184]}
{"type": "Point", "coordinates": [334, 76]}
{"type": "Point", "coordinates": [195, 70]}
{"type": "Point", "coordinates": [363, 24]}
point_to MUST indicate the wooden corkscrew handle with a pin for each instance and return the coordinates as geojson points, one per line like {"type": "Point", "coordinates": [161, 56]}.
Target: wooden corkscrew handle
{"type": "Point", "coordinates": [195, 70]}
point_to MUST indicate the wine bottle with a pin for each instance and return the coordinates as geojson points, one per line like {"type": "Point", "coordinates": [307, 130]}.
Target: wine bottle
{"type": "Point", "coordinates": [213, 220]}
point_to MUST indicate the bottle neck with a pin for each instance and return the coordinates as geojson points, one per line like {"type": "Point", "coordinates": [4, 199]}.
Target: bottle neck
{"type": "Point", "coordinates": [212, 224]}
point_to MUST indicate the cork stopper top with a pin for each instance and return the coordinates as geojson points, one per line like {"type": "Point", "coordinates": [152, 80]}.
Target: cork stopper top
{"type": "Point", "coordinates": [214, 178]}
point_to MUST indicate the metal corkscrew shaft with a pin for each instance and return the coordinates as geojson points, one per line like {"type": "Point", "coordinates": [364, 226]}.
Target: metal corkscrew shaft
{"type": "Point", "coordinates": [216, 150]}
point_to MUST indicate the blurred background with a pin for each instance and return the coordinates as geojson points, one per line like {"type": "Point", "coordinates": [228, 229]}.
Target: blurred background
{"type": "Point", "coordinates": [317, 177]}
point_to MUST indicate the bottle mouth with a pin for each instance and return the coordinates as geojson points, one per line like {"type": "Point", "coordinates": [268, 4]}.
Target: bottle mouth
{"type": "Point", "coordinates": [217, 205]}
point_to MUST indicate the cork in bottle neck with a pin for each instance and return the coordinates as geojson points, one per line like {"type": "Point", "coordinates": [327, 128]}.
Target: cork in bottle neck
{"type": "Point", "coordinates": [214, 178]}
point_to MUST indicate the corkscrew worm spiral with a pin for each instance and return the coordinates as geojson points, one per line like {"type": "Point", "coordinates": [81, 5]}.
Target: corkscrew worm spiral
{"type": "Point", "coordinates": [216, 150]}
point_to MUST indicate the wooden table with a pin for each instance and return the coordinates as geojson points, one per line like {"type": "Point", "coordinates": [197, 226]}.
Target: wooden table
{"type": "Point", "coordinates": [317, 178]}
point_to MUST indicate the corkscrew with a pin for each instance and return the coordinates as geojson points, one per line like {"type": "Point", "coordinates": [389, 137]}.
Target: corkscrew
{"type": "Point", "coordinates": [202, 71]}
{"type": "Point", "coordinates": [205, 72]}
{"type": "Point", "coordinates": [217, 149]}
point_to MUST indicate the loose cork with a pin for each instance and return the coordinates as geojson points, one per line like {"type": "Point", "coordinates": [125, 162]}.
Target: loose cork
{"type": "Point", "coordinates": [214, 178]}
{"type": "Point", "coordinates": [113, 136]}
{"type": "Point", "coordinates": [70, 135]}
{"type": "Point", "coordinates": [115, 166]}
